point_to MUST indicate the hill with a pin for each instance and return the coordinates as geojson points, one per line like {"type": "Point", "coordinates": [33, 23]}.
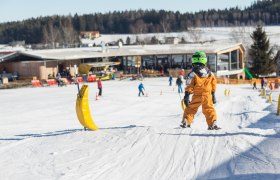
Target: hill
{"type": "Point", "coordinates": [65, 29]}
{"type": "Point", "coordinates": [139, 137]}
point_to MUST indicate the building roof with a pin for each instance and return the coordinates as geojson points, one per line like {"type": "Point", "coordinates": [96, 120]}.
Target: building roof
{"type": "Point", "coordinates": [112, 51]}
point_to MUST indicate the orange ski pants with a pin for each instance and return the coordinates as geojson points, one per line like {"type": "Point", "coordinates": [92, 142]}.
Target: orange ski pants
{"type": "Point", "coordinates": [207, 108]}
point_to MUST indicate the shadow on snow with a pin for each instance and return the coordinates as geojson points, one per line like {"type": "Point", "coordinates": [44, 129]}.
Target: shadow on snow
{"type": "Point", "coordinates": [59, 133]}
{"type": "Point", "coordinates": [258, 152]}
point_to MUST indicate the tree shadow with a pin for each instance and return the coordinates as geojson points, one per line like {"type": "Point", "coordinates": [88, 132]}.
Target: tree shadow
{"type": "Point", "coordinates": [11, 139]}
{"type": "Point", "coordinates": [256, 153]}
{"type": "Point", "coordinates": [53, 133]}
{"type": "Point", "coordinates": [224, 134]}
{"type": "Point", "coordinates": [124, 127]}
{"type": "Point", "coordinates": [257, 176]}
{"type": "Point", "coordinates": [60, 133]}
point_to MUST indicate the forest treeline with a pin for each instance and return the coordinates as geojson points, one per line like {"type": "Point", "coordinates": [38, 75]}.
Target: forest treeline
{"type": "Point", "coordinates": [65, 29]}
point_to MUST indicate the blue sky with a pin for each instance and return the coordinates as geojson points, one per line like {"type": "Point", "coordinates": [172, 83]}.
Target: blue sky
{"type": "Point", "coordinates": [13, 10]}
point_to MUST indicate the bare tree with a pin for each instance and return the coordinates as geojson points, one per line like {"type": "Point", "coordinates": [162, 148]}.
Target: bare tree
{"type": "Point", "coordinates": [195, 34]}
{"type": "Point", "coordinates": [51, 34]}
{"type": "Point", "coordinates": [70, 36]}
{"type": "Point", "coordinates": [241, 34]}
{"type": "Point", "coordinates": [165, 26]}
{"type": "Point", "coordinates": [140, 26]}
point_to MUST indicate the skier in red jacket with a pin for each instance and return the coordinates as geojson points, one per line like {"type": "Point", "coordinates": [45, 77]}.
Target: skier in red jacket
{"type": "Point", "coordinates": [99, 86]}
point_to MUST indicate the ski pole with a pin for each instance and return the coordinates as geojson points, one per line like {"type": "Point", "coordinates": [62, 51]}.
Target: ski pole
{"type": "Point", "coordinates": [76, 75]}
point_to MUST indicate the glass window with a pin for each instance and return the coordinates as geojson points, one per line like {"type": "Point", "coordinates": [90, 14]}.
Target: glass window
{"type": "Point", "coordinates": [223, 62]}
{"type": "Point", "coordinates": [189, 61]}
{"type": "Point", "coordinates": [178, 60]}
{"type": "Point", "coordinates": [211, 58]}
{"type": "Point", "coordinates": [234, 60]}
{"type": "Point", "coordinates": [131, 61]}
{"type": "Point", "coordinates": [148, 61]}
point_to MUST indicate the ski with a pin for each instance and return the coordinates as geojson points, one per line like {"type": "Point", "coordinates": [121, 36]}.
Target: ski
{"type": "Point", "coordinates": [214, 128]}
{"type": "Point", "coordinates": [185, 126]}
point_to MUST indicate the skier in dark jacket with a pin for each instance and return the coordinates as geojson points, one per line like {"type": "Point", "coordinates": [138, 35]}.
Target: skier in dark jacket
{"type": "Point", "coordinates": [179, 83]}
{"type": "Point", "coordinates": [170, 80]}
{"type": "Point", "coordinates": [262, 83]}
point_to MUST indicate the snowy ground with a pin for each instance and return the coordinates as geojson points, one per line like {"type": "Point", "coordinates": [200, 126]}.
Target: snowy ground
{"type": "Point", "coordinates": [218, 34]}
{"type": "Point", "coordinates": [139, 138]}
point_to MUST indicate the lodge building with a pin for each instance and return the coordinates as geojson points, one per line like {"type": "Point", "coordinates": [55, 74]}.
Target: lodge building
{"type": "Point", "coordinates": [223, 59]}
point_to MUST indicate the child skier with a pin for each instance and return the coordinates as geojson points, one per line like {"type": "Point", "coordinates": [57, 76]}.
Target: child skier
{"type": "Point", "coordinates": [99, 86]}
{"type": "Point", "coordinates": [201, 82]}
{"type": "Point", "coordinates": [141, 88]}
{"type": "Point", "coordinates": [254, 85]}
{"type": "Point", "coordinates": [170, 80]}
{"type": "Point", "coordinates": [179, 83]}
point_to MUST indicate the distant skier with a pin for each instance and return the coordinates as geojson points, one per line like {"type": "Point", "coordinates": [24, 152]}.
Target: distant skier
{"type": "Point", "coordinates": [170, 80]}
{"type": "Point", "coordinates": [270, 85]}
{"type": "Point", "coordinates": [254, 85]}
{"type": "Point", "coordinates": [203, 86]}
{"type": "Point", "coordinates": [59, 80]}
{"type": "Point", "coordinates": [179, 83]}
{"type": "Point", "coordinates": [141, 89]}
{"type": "Point", "coordinates": [262, 83]}
{"type": "Point", "coordinates": [99, 86]}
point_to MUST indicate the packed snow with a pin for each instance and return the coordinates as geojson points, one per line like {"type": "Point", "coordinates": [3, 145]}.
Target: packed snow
{"type": "Point", "coordinates": [139, 137]}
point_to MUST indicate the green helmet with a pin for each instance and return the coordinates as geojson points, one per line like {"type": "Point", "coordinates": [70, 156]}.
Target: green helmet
{"type": "Point", "coordinates": [199, 57]}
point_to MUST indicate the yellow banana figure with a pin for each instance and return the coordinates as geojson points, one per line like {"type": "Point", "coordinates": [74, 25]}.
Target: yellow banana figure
{"type": "Point", "coordinates": [83, 111]}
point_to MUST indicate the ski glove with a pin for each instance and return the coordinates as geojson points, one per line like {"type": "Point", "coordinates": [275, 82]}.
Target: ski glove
{"type": "Point", "coordinates": [214, 98]}
{"type": "Point", "coordinates": [187, 98]}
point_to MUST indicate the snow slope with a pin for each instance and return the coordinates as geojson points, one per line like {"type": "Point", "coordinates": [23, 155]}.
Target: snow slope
{"type": "Point", "coordinates": [218, 34]}
{"type": "Point", "coordinates": [139, 137]}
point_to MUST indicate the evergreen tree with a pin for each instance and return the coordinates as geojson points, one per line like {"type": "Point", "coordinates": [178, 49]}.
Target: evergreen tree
{"type": "Point", "coordinates": [260, 52]}
{"type": "Point", "coordinates": [128, 40]}
{"type": "Point", "coordinates": [154, 40]}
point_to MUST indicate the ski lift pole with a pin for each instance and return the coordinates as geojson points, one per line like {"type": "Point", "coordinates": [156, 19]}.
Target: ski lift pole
{"type": "Point", "coordinates": [278, 108]}
{"type": "Point", "coordinates": [76, 76]}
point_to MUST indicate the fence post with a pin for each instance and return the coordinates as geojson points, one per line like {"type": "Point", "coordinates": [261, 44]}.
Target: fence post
{"type": "Point", "coordinates": [278, 108]}
{"type": "Point", "coordinates": [270, 98]}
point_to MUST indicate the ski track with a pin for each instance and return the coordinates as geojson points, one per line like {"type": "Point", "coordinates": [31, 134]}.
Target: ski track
{"type": "Point", "coordinates": [152, 148]}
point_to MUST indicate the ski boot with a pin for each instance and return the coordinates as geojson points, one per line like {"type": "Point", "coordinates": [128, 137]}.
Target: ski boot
{"type": "Point", "coordinates": [215, 127]}
{"type": "Point", "coordinates": [185, 126]}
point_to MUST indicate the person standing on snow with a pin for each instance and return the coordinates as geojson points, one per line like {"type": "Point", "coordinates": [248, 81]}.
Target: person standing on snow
{"type": "Point", "coordinates": [59, 80]}
{"type": "Point", "coordinates": [170, 80]}
{"type": "Point", "coordinates": [262, 83]}
{"type": "Point", "coordinates": [99, 86]}
{"type": "Point", "coordinates": [202, 84]}
{"type": "Point", "coordinates": [254, 85]}
{"type": "Point", "coordinates": [179, 83]}
{"type": "Point", "coordinates": [141, 88]}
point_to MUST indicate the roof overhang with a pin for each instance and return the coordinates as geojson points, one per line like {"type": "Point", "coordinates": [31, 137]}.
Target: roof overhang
{"type": "Point", "coordinates": [115, 51]}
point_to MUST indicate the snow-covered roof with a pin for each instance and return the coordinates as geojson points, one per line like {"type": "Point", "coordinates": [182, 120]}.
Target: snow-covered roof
{"type": "Point", "coordinates": [111, 51]}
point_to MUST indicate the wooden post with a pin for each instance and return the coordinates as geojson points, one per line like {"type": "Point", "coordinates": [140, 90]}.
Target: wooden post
{"type": "Point", "coordinates": [270, 98]}
{"type": "Point", "coordinates": [278, 108]}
